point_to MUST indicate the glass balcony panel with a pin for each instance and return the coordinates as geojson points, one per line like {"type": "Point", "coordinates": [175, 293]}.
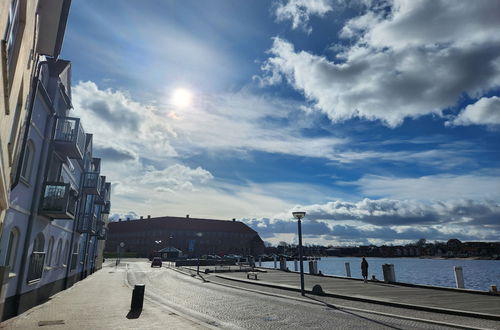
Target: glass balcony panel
{"type": "Point", "coordinates": [87, 223]}
{"type": "Point", "coordinates": [106, 208]}
{"type": "Point", "coordinates": [58, 201]}
{"type": "Point", "coordinates": [69, 138]}
{"type": "Point", "coordinates": [92, 183]}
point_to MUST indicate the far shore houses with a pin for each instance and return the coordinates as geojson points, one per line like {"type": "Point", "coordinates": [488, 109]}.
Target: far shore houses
{"type": "Point", "coordinates": [194, 237]}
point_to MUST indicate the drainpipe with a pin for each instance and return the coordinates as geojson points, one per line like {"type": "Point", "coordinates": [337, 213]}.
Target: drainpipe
{"type": "Point", "coordinates": [36, 190]}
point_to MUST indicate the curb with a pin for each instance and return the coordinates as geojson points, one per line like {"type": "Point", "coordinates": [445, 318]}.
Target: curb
{"type": "Point", "coordinates": [374, 301]}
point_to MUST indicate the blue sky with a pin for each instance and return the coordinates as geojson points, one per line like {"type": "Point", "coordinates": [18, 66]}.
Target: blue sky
{"type": "Point", "coordinates": [380, 119]}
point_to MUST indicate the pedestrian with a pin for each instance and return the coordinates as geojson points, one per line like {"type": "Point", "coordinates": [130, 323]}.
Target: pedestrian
{"type": "Point", "coordinates": [364, 269]}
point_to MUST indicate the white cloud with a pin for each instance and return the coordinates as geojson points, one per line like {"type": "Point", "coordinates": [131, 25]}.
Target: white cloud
{"type": "Point", "coordinates": [176, 177]}
{"type": "Point", "coordinates": [385, 221]}
{"type": "Point", "coordinates": [418, 59]}
{"type": "Point", "coordinates": [439, 187]}
{"type": "Point", "coordinates": [299, 12]}
{"type": "Point", "coordinates": [486, 111]}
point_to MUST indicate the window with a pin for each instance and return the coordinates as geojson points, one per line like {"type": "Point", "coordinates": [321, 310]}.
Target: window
{"type": "Point", "coordinates": [48, 260]}
{"type": "Point", "coordinates": [28, 161]}
{"type": "Point", "coordinates": [59, 253]}
{"type": "Point", "coordinates": [14, 24]}
{"type": "Point", "coordinates": [10, 258]}
{"type": "Point", "coordinates": [66, 252]}
{"type": "Point", "coordinates": [39, 243]}
{"type": "Point", "coordinates": [35, 270]}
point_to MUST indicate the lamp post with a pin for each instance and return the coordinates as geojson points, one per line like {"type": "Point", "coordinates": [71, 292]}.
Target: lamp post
{"type": "Point", "coordinates": [299, 216]}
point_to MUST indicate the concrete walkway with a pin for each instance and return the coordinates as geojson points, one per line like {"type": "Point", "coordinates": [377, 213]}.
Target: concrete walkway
{"type": "Point", "coordinates": [101, 301]}
{"type": "Point", "coordinates": [380, 292]}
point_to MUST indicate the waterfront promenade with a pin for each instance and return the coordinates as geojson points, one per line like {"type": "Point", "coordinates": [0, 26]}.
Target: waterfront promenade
{"type": "Point", "coordinates": [101, 301]}
{"type": "Point", "coordinates": [452, 301]}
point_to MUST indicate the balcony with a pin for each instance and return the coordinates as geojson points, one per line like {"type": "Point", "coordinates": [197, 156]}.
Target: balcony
{"type": "Point", "coordinates": [53, 16]}
{"type": "Point", "coordinates": [92, 183]}
{"type": "Point", "coordinates": [104, 195]}
{"type": "Point", "coordinates": [87, 223]}
{"type": "Point", "coordinates": [58, 201]}
{"type": "Point", "coordinates": [102, 234]}
{"type": "Point", "coordinates": [106, 208]}
{"type": "Point", "coordinates": [69, 138]}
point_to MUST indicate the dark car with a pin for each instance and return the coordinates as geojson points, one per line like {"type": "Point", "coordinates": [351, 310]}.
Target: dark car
{"type": "Point", "coordinates": [156, 262]}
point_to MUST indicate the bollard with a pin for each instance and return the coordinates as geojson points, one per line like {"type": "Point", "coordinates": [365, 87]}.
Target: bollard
{"type": "Point", "coordinates": [260, 261]}
{"type": "Point", "coordinates": [318, 290]}
{"type": "Point", "coordinates": [348, 269]}
{"type": "Point", "coordinates": [275, 265]}
{"type": "Point", "coordinates": [282, 263]}
{"type": "Point", "coordinates": [137, 297]}
{"type": "Point", "coordinates": [388, 271]}
{"type": "Point", "coordinates": [296, 265]}
{"type": "Point", "coordinates": [459, 276]}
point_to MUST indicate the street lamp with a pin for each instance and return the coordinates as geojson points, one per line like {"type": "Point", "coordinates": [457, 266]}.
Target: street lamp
{"type": "Point", "coordinates": [299, 216]}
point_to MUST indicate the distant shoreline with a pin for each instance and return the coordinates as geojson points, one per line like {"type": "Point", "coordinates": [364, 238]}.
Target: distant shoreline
{"type": "Point", "coordinates": [422, 257]}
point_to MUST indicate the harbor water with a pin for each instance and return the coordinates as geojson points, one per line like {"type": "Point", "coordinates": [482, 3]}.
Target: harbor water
{"type": "Point", "coordinates": [478, 274]}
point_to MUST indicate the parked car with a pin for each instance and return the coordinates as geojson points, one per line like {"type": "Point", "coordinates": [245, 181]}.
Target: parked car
{"type": "Point", "coordinates": [156, 262]}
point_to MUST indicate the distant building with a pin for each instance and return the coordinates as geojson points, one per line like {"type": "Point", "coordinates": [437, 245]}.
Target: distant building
{"type": "Point", "coordinates": [194, 237]}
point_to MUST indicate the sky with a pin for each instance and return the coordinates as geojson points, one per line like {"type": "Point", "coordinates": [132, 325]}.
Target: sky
{"type": "Point", "coordinates": [380, 120]}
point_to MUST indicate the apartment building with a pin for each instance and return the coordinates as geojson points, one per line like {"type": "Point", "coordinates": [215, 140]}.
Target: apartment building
{"type": "Point", "coordinates": [58, 211]}
{"type": "Point", "coordinates": [28, 29]}
{"type": "Point", "coordinates": [53, 201]}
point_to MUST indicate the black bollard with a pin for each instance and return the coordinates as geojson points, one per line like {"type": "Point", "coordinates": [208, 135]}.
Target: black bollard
{"type": "Point", "coordinates": [137, 297]}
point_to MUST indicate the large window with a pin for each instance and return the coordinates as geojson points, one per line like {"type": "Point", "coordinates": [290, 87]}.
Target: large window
{"type": "Point", "coordinates": [10, 258]}
{"type": "Point", "coordinates": [59, 253]}
{"type": "Point", "coordinates": [13, 32]}
{"type": "Point", "coordinates": [37, 258]}
{"type": "Point", "coordinates": [48, 259]}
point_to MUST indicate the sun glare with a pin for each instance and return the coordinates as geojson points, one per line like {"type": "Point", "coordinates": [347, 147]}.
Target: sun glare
{"type": "Point", "coordinates": [181, 98]}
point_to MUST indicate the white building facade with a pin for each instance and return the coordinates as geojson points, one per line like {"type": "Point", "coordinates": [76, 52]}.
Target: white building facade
{"type": "Point", "coordinates": [58, 213]}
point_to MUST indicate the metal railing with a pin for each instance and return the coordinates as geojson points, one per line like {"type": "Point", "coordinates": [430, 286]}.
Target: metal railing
{"type": "Point", "coordinates": [106, 208]}
{"type": "Point", "coordinates": [92, 181]}
{"type": "Point", "coordinates": [58, 200]}
{"type": "Point", "coordinates": [69, 130]}
{"type": "Point", "coordinates": [87, 223]}
{"type": "Point", "coordinates": [35, 270]}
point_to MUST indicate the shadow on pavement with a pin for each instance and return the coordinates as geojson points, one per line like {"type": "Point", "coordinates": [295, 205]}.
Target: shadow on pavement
{"type": "Point", "coordinates": [352, 313]}
{"type": "Point", "coordinates": [134, 313]}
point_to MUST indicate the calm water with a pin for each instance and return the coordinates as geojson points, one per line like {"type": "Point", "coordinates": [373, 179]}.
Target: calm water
{"type": "Point", "coordinates": [478, 274]}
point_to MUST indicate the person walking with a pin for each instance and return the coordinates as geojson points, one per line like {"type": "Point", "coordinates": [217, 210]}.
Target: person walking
{"type": "Point", "coordinates": [364, 269]}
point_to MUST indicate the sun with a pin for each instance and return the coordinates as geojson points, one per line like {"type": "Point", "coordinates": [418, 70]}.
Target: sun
{"type": "Point", "coordinates": [181, 97]}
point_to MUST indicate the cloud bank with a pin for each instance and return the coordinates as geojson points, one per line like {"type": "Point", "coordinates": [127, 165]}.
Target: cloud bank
{"type": "Point", "coordinates": [403, 60]}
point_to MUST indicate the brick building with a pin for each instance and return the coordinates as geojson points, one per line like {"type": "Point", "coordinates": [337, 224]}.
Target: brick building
{"type": "Point", "coordinates": [194, 237]}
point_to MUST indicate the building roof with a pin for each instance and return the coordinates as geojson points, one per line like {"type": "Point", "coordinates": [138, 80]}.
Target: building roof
{"type": "Point", "coordinates": [179, 223]}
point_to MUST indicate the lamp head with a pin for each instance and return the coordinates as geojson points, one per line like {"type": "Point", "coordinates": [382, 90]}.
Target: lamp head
{"type": "Point", "coordinates": [299, 215]}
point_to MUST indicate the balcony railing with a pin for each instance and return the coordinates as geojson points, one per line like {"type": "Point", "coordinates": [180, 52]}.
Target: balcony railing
{"type": "Point", "coordinates": [58, 200]}
{"type": "Point", "coordinates": [103, 195]}
{"type": "Point", "coordinates": [87, 223]}
{"type": "Point", "coordinates": [35, 269]}
{"type": "Point", "coordinates": [69, 138]}
{"type": "Point", "coordinates": [102, 234]}
{"type": "Point", "coordinates": [106, 208]}
{"type": "Point", "coordinates": [92, 183]}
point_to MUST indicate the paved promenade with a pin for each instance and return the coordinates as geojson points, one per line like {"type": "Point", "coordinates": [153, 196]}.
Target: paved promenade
{"type": "Point", "coordinates": [101, 301]}
{"type": "Point", "coordinates": [453, 300]}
